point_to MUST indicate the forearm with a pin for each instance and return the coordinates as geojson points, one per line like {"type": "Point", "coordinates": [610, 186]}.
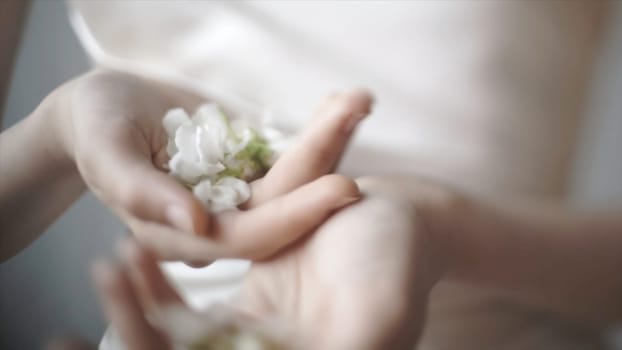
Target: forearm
{"type": "Point", "coordinates": [38, 180]}
{"type": "Point", "coordinates": [540, 254]}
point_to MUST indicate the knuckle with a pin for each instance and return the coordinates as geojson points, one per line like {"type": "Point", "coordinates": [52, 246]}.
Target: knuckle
{"type": "Point", "coordinates": [129, 197]}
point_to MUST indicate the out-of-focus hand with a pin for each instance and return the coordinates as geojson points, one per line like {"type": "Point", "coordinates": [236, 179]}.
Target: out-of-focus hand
{"type": "Point", "coordinates": [111, 126]}
{"type": "Point", "coordinates": [360, 281]}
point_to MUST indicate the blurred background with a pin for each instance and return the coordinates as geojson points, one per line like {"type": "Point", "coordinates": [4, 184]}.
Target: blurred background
{"type": "Point", "coordinates": [46, 290]}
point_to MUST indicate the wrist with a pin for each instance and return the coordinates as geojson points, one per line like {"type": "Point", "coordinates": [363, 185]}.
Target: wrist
{"type": "Point", "coordinates": [440, 210]}
{"type": "Point", "coordinates": [52, 125]}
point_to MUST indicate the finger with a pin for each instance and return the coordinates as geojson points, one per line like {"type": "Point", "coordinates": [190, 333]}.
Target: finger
{"type": "Point", "coordinates": [256, 233]}
{"type": "Point", "coordinates": [319, 149]}
{"type": "Point", "coordinates": [262, 231]}
{"type": "Point", "coordinates": [166, 243]}
{"type": "Point", "coordinates": [152, 287]}
{"type": "Point", "coordinates": [124, 176]}
{"type": "Point", "coordinates": [160, 300]}
{"type": "Point", "coordinates": [124, 311]}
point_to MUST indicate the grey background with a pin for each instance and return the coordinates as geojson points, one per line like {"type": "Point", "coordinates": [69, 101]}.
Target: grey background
{"type": "Point", "coordinates": [597, 174]}
{"type": "Point", "coordinates": [46, 289]}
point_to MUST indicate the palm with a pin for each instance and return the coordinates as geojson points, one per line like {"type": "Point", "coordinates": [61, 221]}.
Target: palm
{"type": "Point", "coordinates": [360, 281]}
{"type": "Point", "coordinates": [120, 149]}
{"type": "Point", "coordinates": [118, 143]}
{"type": "Point", "coordinates": [357, 281]}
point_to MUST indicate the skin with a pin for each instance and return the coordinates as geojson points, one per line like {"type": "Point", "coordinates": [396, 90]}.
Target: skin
{"type": "Point", "coordinates": [103, 132]}
{"type": "Point", "coordinates": [362, 279]}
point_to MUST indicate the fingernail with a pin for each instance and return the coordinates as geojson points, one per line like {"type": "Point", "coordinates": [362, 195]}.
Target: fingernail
{"type": "Point", "coordinates": [179, 218]}
{"type": "Point", "coordinates": [346, 201]}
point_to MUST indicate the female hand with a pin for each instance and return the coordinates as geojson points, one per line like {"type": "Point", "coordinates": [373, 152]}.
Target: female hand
{"type": "Point", "coordinates": [111, 126]}
{"type": "Point", "coordinates": [360, 281]}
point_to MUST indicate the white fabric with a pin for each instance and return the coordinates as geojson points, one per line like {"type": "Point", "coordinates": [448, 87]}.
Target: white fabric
{"type": "Point", "coordinates": [481, 94]}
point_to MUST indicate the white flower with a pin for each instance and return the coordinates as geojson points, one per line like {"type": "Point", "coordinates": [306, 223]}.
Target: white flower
{"type": "Point", "coordinates": [224, 194]}
{"type": "Point", "coordinates": [196, 145]}
{"type": "Point", "coordinates": [215, 157]}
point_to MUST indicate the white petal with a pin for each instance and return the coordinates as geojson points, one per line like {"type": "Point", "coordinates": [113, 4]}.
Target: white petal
{"type": "Point", "coordinates": [210, 169]}
{"type": "Point", "coordinates": [223, 198]}
{"type": "Point", "coordinates": [240, 126]}
{"type": "Point", "coordinates": [228, 193]}
{"type": "Point", "coordinates": [214, 141]}
{"type": "Point", "coordinates": [278, 148]}
{"type": "Point", "coordinates": [271, 134]}
{"type": "Point", "coordinates": [173, 119]}
{"type": "Point", "coordinates": [187, 171]}
{"type": "Point", "coordinates": [185, 140]}
{"type": "Point", "coordinates": [203, 191]}
{"type": "Point", "coordinates": [208, 113]}
{"type": "Point", "coordinates": [241, 188]}
{"type": "Point", "coordinates": [210, 116]}
{"type": "Point", "coordinates": [210, 146]}
{"type": "Point", "coordinates": [277, 141]}
{"type": "Point", "coordinates": [244, 136]}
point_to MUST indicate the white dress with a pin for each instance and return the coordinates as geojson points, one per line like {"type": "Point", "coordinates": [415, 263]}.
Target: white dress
{"type": "Point", "coordinates": [485, 95]}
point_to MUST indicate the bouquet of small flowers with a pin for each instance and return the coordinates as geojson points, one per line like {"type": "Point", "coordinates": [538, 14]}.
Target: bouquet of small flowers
{"type": "Point", "coordinates": [216, 157]}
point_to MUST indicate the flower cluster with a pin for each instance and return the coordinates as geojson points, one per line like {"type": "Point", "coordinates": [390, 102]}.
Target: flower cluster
{"type": "Point", "coordinates": [215, 157]}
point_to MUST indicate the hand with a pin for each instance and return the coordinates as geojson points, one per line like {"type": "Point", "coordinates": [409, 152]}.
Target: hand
{"type": "Point", "coordinates": [111, 127]}
{"type": "Point", "coordinates": [360, 281]}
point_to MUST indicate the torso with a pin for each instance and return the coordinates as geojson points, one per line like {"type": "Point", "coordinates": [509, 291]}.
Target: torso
{"type": "Point", "coordinates": [485, 95]}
